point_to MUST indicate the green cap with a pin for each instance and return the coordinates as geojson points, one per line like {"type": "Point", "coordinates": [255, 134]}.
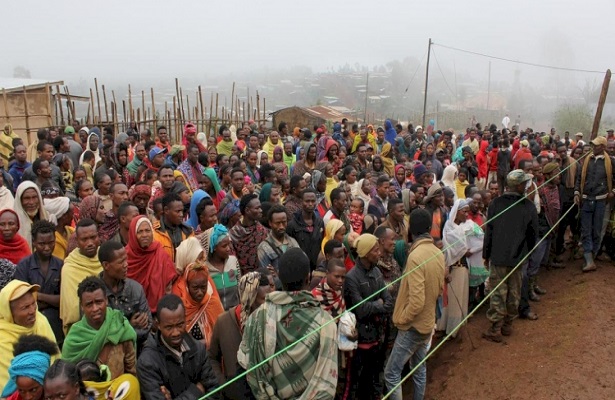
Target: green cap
{"type": "Point", "coordinates": [517, 177]}
{"type": "Point", "coordinates": [68, 130]}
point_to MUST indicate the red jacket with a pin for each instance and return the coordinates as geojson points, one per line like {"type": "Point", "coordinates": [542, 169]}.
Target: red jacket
{"type": "Point", "coordinates": [493, 159]}
{"type": "Point", "coordinates": [481, 160]}
{"type": "Point", "coordinates": [523, 154]}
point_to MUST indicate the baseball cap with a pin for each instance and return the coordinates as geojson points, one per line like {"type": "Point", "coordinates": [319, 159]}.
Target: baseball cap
{"type": "Point", "coordinates": [155, 151]}
{"type": "Point", "coordinates": [22, 289]}
{"type": "Point", "coordinates": [600, 140]}
{"type": "Point", "coordinates": [68, 130]}
{"type": "Point", "coordinates": [579, 134]}
{"type": "Point", "coordinates": [517, 177]}
{"type": "Point", "coordinates": [176, 148]}
{"type": "Point", "coordinates": [609, 131]}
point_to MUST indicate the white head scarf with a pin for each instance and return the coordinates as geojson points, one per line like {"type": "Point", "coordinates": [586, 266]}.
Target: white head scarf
{"type": "Point", "coordinates": [87, 147]}
{"type": "Point", "coordinates": [454, 236]}
{"type": "Point", "coordinates": [25, 223]}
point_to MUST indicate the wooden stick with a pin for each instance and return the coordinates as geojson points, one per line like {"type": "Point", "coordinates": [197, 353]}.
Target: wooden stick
{"type": "Point", "coordinates": [87, 118]}
{"type": "Point", "coordinates": [188, 107]}
{"type": "Point", "coordinates": [215, 132]}
{"type": "Point", "coordinates": [180, 103]}
{"type": "Point", "coordinates": [154, 108]}
{"type": "Point", "coordinates": [244, 113]}
{"type": "Point", "coordinates": [59, 96]}
{"type": "Point", "coordinates": [177, 94]}
{"type": "Point", "coordinates": [98, 100]}
{"type": "Point", "coordinates": [115, 116]}
{"type": "Point", "coordinates": [55, 104]}
{"type": "Point", "coordinates": [124, 110]}
{"type": "Point", "coordinates": [105, 100]}
{"type": "Point", "coordinates": [258, 105]}
{"type": "Point", "coordinates": [142, 105]}
{"type": "Point", "coordinates": [130, 113]}
{"type": "Point", "coordinates": [264, 109]}
{"type": "Point", "coordinates": [93, 104]}
{"type": "Point", "coordinates": [25, 108]}
{"type": "Point", "coordinates": [232, 99]}
{"type": "Point", "coordinates": [71, 105]}
{"type": "Point", "coordinates": [211, 111]}
{"type": "Point", "coordinates": [601, 101]}
{"type": "Point", "coordinates": [166, 112]}
{"type": "Point", "coordinates": [48, 91]}
{"type": "Point", "coordinates": [202, 110]}
{"type": "Point", "coordinates": [6, 106]}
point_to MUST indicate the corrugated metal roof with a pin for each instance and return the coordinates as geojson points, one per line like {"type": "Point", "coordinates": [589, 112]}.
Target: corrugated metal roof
{"type": "Point", "coordinates": [13, 84]}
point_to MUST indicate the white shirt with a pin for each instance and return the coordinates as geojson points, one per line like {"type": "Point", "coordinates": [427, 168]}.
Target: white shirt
{"type": "Point", "coordinates": [505, 122]}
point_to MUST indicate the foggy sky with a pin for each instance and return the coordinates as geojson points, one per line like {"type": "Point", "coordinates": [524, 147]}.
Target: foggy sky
{"type": "Point", "coordinates": [152, 39]}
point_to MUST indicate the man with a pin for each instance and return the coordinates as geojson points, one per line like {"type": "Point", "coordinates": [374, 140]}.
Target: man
{"type": "Point", "coordinates": [434, 204]}
{"type": "Point", "coordinates": [278, 241]}
{"type": "Point", "coordinates": [190, 167]}
{"type": "Point", "coordinates": [395, 219]}
{"type": "Point", "coordinates": [476, 209]}
{"type": "Point", "coordinates": [173, 365]}
{"type": "Point", "coordinates": [390, 269]}
{"type": "Point", "coordinates": [378, 204]}
{"type": "Point", "coordinates": [170, 230]}
{"type": "Point", "coordinates": [419, 193]}
{"type": "Point", "coordinates": [507, 242]}
{"type": "Point", "coordinates": [19, 165]}
{"type": "Point", "coordinates": [294, 202]}
{"type": "Point", "coordinates": [610, 147]}
{"type": "Point", "coordinates": [592, 192]}
{"type": "Point", "coordinates": [156, 158]}
{"type": "Point", "coordinates": [414, 312]}
{"type": "Point", "coordinates": [238, 188]}
{"type": "Point", "coordinates": [306, 227]}
{"type": "Point", "coordinates": [137, 161]}
{"type": "Point", "coordinates": [162, 141]}
{"type": "Point", "coordinates": [568, 174]}
{"type": "Point", "coordinates": [43, 269]}
{"type": "Point", "coordinates": [248, 234]}
{"type": "Point", "coordinates": [166, 179]}
{"type": "Point", "coordinates": [41, 135]}
{"type": "Point", "coordinates": [79, 264]}
{"type": "Point", "coordinates": [45, 151]}
{"type": "Point", "coordinates": [118, 194]}
{"type": "Point", "coordinates": [505, 121]}
{"type": "Point", "coordinates": [124, 294]}
{"type": "Point", "coordinates": [125, 213]}
{"type": "Point", "coordinates": [42, 171]}
{"type": "Point", "coordinates": [339, 204]}
{"type": "Point", "coordinates": [102, 335]}
{"type": "Point", "coordinates": [494, 189]}
{"type": "Point", "coordinates": [145, 135]}
{"type": "Point", "coordinates": [363, 281]}
{"type": "Point", "coordinates": [580, 141]}
{"type": "Point", "coordinates": [504, 161]}
{"type": "Point", "coordinates": [361, 161]}
{"type": "Point", "coordinates": [332, 250]}
{"type": "Point", "coordinates": [311, 370]}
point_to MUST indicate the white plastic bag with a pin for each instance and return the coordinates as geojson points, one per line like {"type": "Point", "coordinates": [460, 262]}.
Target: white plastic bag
{"type": "Point", "coordinates": [345, 329]}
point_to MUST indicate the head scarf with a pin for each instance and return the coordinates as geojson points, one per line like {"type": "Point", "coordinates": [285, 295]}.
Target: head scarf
{"type": "Point", "coordinates": [259, 155]}
{"type": "Point", "coordinates": [151, 267]}
{"type": "Point", "coordinates": [265, 193]}
{"type": "Point", "coordinates": [178, 174]}
{"type": "Point", "coordinates": [331, 229]}
{"type": "Point", "coordinates": [278, 150]}
{"type": "Point", "coordinates": [87, 147]}
{"type": "Point", "coordinates": [10, 331]}
{"type": "Point", "coordinates": [25, 223]}
{"type": "Point", "coordinates": [187, 253]}
{"type": "Point", "coordinates": [365, 243]}
{"type": "Point", "coordinates": [216, 234]}
{"type": "Point", "coordinates": [203, 313]}
{"type": "Point", "coordinates": [31, 364]}
{"type": "Point", "coordinates": [56, 208]}
{"type": "Point", "coordinates": [449, 175]}
{"type": "Point", "coordinates": [224, 147]}
{"type": "Point", "coordinates": [140, 189]}
{"type": "Point", "coordinates": [248, 289]}
{"type": "Point", "coordinates": [88, 208]}
{"type": "Point", "coordinates": [453, 235]}
{"type": "Point", "coordinates": [201, 137]}
{"type": "Point", "coordinates": [6, 198]}
{"type": "Point", "coordinates": [211, 174]}
{"type": "Point", "coordinates": [228, 212]}
{"type": "Point", "coordinates": [17, 248]}
{"type": "Point", "coordinates": [179, 187]}
{"type": "Point", "coordinates": [198, 195]}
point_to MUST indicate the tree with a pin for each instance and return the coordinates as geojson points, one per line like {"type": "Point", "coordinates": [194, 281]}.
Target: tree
{"type": "Point", "coordinates": [21, 72]}
{"type": "Point", "coordinates": [573, 118]}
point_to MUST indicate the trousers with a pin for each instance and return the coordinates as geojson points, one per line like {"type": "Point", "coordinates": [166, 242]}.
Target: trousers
{"type": "Point", "coordinates": [412, 346]}
{"type": "Point", "coordinates": [504, 302]}
{"type": "Point", "coordinates": [592, 218]}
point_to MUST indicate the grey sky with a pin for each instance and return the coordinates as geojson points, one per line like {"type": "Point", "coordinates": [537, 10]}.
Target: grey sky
{"type": "Point", "coordinates": [152, 39]}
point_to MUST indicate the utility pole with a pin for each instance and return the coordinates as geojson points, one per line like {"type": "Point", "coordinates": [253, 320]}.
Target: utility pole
{"type": "Point", "coordinates": [426, 82]}
{"type": "Point", "coordinates": [366, 90]}
{"type": "Point", "coordinates": [489, 86]}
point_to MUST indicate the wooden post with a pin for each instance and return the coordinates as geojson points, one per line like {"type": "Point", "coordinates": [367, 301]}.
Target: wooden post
{"type": "Point", "coordinates": [601, 101]}
{"type": "Point", "coordinates": [154, 117]}
{"type": "Point", "coordinates": [178, 96]}
{"type": "Point", "coordinates": [216, 118]}
{"type": "Point", "coordinates": [143, 105]}
{"type": "Point", "coordinates": [188, 107]}
{"type": "Point", "coordinates": [180, 103]}
{"type": "Point", "coordinates": [105, 100]}
{"type": "Point", "coordinates": [59, 96]}
{"type": "Point", "coordinates": [264, 110]}
{"type": "Point", "coordinates": [211, 115]}
{"type": "Point", "coordinates": [202, 110]}
{"type": "Point", "coordinates": [6, 106]}
{"type": "Point", "coordinates": [48, 92]}
{"type": "Point", "coordinates": [98, 100]}
{"type": "Point", "coordinates": [130, 113]}
{"type": "Point", "coordinates": [166, 112]}
{"type": "Point", "coordinates": [244, 113]}
{"type": "Point", "coordinates": [258, 106]}
{"type": "Point", "coordinates": [91, 102]}
{"type": "Point", "coordinates": [87, 118]}
{"type": "Point", "coordinates": [124, 111]}
{"type": "Point", "coordinates": [232, 100]}
{"type": "Point", "coordinates": [115, 113]}
{"type": "Point", "coordinates": [71, 105]}
{"type": "Point", "coordinates": [25, 107]}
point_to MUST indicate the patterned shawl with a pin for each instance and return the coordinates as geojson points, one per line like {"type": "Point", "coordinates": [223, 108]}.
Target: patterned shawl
{"type": "Point", "coordinates": [332, 301]}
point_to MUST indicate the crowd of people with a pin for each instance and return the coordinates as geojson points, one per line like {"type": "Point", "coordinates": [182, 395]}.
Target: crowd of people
{"type": "Point", "coordinates": [135, 267]}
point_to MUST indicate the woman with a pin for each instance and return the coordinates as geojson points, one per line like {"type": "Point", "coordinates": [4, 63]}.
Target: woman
{"type": "Point", "coordinates": [278, 161]}
{"type": "Point", "coordinates": [31, 212]}
{"type": "Point", "coordinates": [387, 159]}
{"type": "Point", "coordinates": [377, 169]}
{"type": "Point", "coordinates": [223, 268]}
{"type": "Point", "coordinates": [461, 183]}
{"type": "Point", "coordinates": [148, 263]}
{"type": "Point", "coordinates": [335, 230]}
{"type": "Point", "coordinates": [252, 166]}
{"type": "Point", "coordinates": [331, 183]}
{"type": "Point", "coordinates": [449, 176]}
{"type": "Point", "coordinates": [27, 371]}
{"type": "Point", "coordinates": [456, 292]}
{"type": "Point", "coordinates": [194, 218]}
{"type": "Point", "coordinates": [272, 142]}
{"type": "Point", "coordinates": [184, 194]}
{"type": "Point", "coordinates": [92, 146]}
{"type": "Point", "coordinates": [226, 337]}
{"type": "Point", "coordinates": [262, 158]}
{"type": "Point", "coordinates": [330, 154]}
{"type": "Point", "coordinates": [319, 184]}
{"type": "Point", "coordinates": [103, 184]}
{"type": "Point", "coordinates": [6, 196]}
{"type": "Point", "coordinates": [349, 175]}
{"type": "Point", "coordinates": [269, 193]}
{"type": "Point", "coordinates": [399, 180]}
{"type": "Point", "coordinates": [209, 183]}
{"type": "Point", "coordinates": [13, 246]}
{"type": "Point", "coordinates": [365, 193]}
{"type": "Point", "coordinates": [100, 386]}
{"type": "Point", "coordinates": [63, 381]}
{"type": "Point", "coordinates": [197, 290]}
{"type": "Point", "coordinates": [308, 164]}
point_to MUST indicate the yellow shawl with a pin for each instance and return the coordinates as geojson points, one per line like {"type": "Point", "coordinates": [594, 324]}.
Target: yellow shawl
{"type": "Point", "coordinates": [387, 162]}
{"type": "Point", "coordinates": [10, 332]}
{"type": "Point", "coordinates": [76, 268]}
{"type": "Point", "coordinates": [60, 251]}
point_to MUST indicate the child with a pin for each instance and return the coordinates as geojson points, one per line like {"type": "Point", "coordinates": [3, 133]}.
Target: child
{"type": "Point", "coordinates": [461, 182]}
{"type": "Point", "coordinates": [356, 216]}
{"type": "Point", "coordinates": [333, 250]}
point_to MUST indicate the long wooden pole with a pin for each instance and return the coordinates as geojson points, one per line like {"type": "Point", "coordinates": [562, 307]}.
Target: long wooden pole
{"type": "Point", "coordinates": [202, 110]}
{"type": "Point", "coordinates": [71, 105]}
{"type": "Point", "coordinates": [105, 100]}
{"type": "Point", "coordinates": [91, 102]}
{"type": "Point", "coordinates": [143, 106]}
{"type": "Point", "coordinates": [232, 102]}
{"type": "Point", "coordinates": [98, 100]}
{"type": "Point", "coordinates": [426, 81]}
{"type": "Point", "coordinates": [130, 113]}
{"type": "Point", "coordinates": [601, 101]}
{"type": "Point", "coordinates": [155, 117]}
{"type": "Point", "coordinates": [188, 107]}
{"type": "Point", "coordinates": [59, 95]}
{"type": "Point", "coordinates": [6, 106]}
{"type": "Point", "coordinates": [25, 107]}
{"type": "Point", "coordinates": [258, 105]}
{"type": "Point", "coordinates": [48, 91]}
{"type": "Point", "coordinates": [116, 119]}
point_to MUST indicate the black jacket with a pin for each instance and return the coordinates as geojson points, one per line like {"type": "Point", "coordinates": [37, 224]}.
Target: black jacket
{"type": "Point", "coordinates": [372, 315]}
{"type": "Point", "coordinates": [596, 186]}
{"type": "Point", "coordinates": [510, 234]}
{"type": "Point", "coordinates": [308, 241]}
{"type": "Point", "coordinates": [157, 367]}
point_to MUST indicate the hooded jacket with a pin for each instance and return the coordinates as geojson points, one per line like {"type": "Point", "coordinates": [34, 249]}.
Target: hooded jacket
{"type": "Point", "coordinates": [308, 241]}
{"type": "Point", "coordinates": [389, 133]}
{"type": "Point", "coordinates": [481, 160]}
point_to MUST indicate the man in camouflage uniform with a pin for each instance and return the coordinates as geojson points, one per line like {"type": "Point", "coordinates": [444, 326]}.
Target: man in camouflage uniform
{"type": "Point", "coordinates": [511, 232]}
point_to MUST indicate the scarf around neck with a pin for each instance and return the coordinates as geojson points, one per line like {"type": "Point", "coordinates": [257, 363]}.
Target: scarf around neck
{"type": "Point", "coordinates": [332, 301]}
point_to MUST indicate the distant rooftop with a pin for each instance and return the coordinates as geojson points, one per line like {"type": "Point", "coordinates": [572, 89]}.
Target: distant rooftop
{"type": "Point", "coordinates": [14, 84]}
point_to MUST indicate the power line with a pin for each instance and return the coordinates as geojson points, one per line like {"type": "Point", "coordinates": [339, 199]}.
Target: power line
{"type": "Point", "coordinates": [517, 61]}
{"type": "Point", "coordinates": [442, 73]}
{"type": "Point", "coordinates": [415, 71]}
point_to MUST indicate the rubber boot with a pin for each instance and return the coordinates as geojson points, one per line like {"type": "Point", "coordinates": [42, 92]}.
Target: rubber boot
{"type": "Point", "coordinates": [538, 289]}
{"type": "Point", "coordinates": [532, 295]}
{"type": "Point", "coordinates": [589, 263]}
{"type": "Point", "coordinates": [507, 328]}
{"type": "Point", "coordinates": [493, 333]}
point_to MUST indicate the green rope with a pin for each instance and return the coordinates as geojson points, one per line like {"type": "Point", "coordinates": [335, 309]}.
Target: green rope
{"type": "Point", "coordinates": [368, 298]}
{"type": "Point", "coordinates": [463, 321]}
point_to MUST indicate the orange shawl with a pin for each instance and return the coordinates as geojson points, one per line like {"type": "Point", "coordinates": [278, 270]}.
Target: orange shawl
{"type": "Point", "coordinates": [207, 311]}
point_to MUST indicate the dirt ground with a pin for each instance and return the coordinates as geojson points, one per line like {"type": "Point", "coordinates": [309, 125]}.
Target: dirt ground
{"type": "Point", "coordinates": [566, 354]}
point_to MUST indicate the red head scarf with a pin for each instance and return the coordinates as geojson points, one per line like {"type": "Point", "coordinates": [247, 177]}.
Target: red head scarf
{"type": "Point", "coordinates": [17, 248]}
